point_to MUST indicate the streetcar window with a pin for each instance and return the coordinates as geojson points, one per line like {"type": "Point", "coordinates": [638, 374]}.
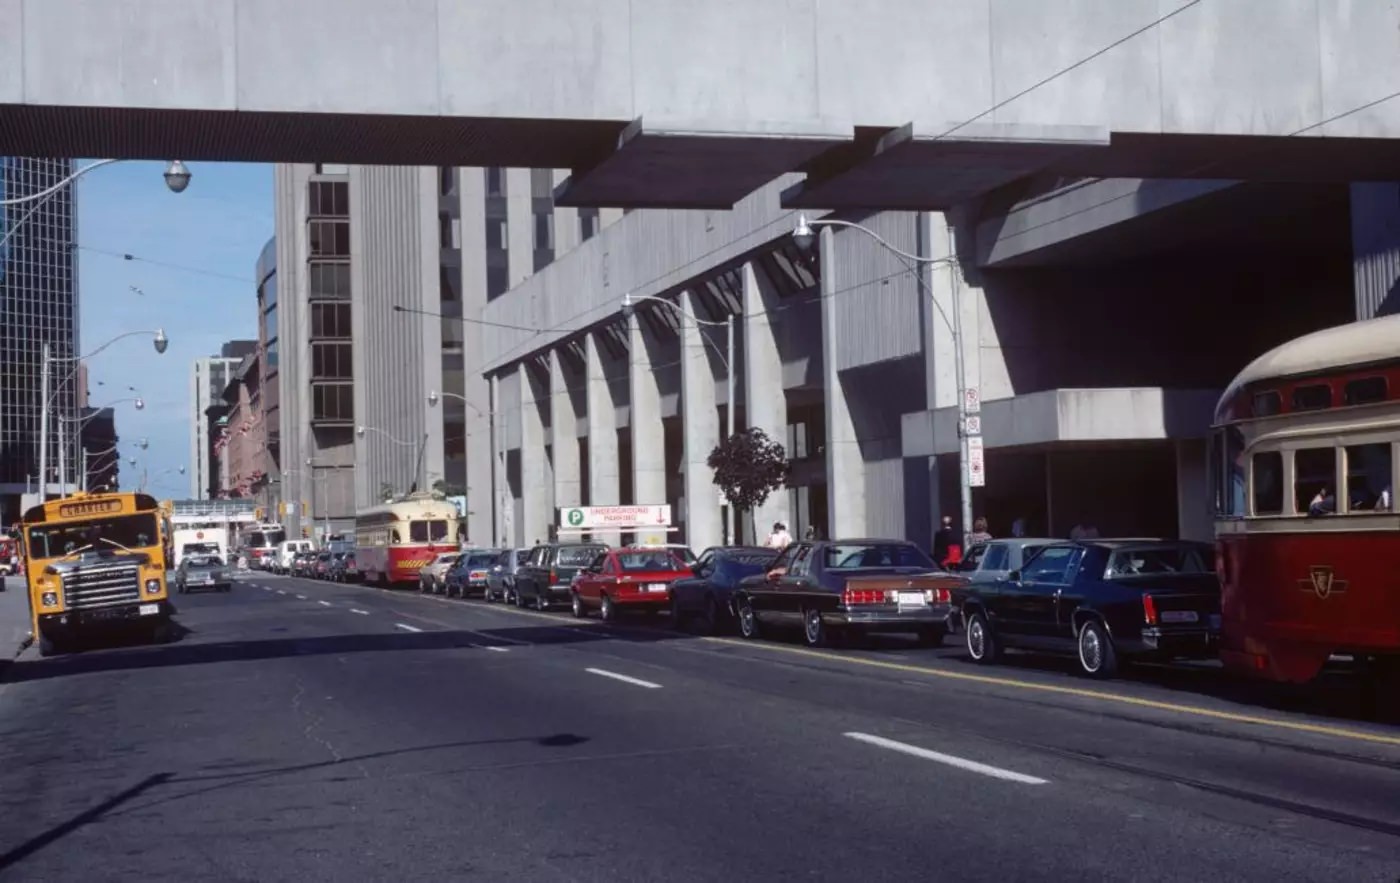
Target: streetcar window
{"type": "Point", "coordinates": [1312, 398]}
{"type": "Point", "coordinates": [1267, 404]}
{"type": "Point", "coordinates": [426, 531]}
{"type": "Point", "coordinates": [1268, 483]}
{"type": "Point", "coordinates": [1369, 482]}
{"type": "Point", "coordinates": [1365, 391]}
{"type": "Point", "coordinates": [1314, 480]}
{"type": "Point", "coordinates": [1235, 464]}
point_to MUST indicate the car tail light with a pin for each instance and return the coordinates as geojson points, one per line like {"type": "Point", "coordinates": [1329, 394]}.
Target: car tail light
{"type": "Point", "coordinates": [1149, 610]}
{"type": "Point", "coordinates": [853, 597]}
{"type": "Point", "coordinates": [553, 576]}
{"type": "Point", "coordinates": [937, 596]}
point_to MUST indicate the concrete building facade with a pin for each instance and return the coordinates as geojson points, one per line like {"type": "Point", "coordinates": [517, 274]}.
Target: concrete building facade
{"type": "Point", "coordinates": [209, 377]}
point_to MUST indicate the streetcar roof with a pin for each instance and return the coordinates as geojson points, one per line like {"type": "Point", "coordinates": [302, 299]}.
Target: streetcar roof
{"type": "Point", "coordinates": [1337, 348]}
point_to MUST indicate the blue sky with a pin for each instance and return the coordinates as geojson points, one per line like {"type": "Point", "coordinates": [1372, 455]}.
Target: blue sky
{"type": "Point", "coordinates": [216, 229]}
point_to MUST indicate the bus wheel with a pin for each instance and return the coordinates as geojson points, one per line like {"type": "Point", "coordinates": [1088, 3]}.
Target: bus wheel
{"type": "Point", "coordinates": [48, 646]}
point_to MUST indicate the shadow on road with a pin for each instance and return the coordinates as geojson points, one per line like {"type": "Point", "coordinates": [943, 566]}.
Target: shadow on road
{"type": "Point", "coordinates": [86, 817]}
{"type": "Point", "coordinates": [196, 653]}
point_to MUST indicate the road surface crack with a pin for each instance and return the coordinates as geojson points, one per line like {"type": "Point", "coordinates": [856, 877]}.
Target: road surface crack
{"type": "Point", "coordinates": [311, 731]}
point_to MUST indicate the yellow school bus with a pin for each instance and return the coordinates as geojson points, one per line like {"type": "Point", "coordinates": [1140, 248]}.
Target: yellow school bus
{"type": "Point", "coordinates": [95, 562]}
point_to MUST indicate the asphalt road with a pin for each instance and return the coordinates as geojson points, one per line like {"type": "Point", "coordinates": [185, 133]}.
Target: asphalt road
{"type": "Point", "coordinates": [305, 731]}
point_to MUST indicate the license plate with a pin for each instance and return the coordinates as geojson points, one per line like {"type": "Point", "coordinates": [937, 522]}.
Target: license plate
{"type": "Point", "coordinates": [911, 599]}
{"type": "Point", "coordinates": [148, 610]}
{"type": "Point", "coordinates": [1180, 616]}
{"type": "Point", "coordinates": [656, 587]}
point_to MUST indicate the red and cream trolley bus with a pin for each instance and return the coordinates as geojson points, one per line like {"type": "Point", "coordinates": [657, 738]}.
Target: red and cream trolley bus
{"type": "Point", "coordinates": [1304, 455]}
{"type": "Point", "coordinates": [394, 540]}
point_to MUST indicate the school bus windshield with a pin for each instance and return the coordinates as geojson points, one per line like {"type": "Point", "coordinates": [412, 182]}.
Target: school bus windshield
{"type": "Point", "coordinates": [56, 539]}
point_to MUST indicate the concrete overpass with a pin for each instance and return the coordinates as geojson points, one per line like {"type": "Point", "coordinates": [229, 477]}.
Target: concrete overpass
{"type": "Point", "coordinates": [914, 104]}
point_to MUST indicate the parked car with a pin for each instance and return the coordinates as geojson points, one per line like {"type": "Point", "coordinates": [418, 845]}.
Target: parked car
{"type": "Point", "coordinates": [500, 581]}
{"type": "Point", "coordinates": [849, 587]}
{"type": "Point", "coordinates": [546, 576]}
{"type": "Point", "coordinates": [321, 569]}
{"type": "Point", "coordinates": [635, 578]}
{"type": "Point", "coordinates": [994, 560]}
{"type": "Point", "coordinates": [707, 593]}
{"type": "Point", "coordinates": [343, 569]}
{"type": "Point", "coordinates": [468, 575]}
{"type": "Point", "coordinates": [303, 564]}
{"type": "Point", "coordinates": [203, 572]}
{"type": "Point", "coordinates": [682, 550]}
{"type": "Point", "coordinates": [430, 576]}
{"type": "Point", "coordinates": [287, 551]}
{"type": "Point", "coordinates": [1105, 600]}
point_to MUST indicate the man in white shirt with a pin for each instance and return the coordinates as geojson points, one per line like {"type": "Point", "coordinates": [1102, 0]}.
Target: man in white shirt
{"type": "Point", "coordinates": [779, 538]}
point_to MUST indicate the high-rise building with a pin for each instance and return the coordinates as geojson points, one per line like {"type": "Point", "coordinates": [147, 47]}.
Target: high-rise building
{"type": "Point", "coordinates": [38, 305]}
{"type": "Point", "coordinates": [208, 379]}
{"type": "Point", "coordinates": [378, 386]}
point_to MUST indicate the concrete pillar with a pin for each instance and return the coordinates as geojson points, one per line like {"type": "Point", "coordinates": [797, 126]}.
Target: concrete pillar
{"type": "Point", "coordinates": [566, 231]}
{"type": "Point", "coordinates": [520, 232]}
{"type": "Point", "coordinates": [845, 468]}
{"type": "Point", "coordinates": [568, 487]}
{"type": "Point", "coordinates": [604, 470]}
{"type": "Point", "coordinates": [535, 486]}
{"type": "Point", "coordinates": [1193, 515]}
{"type": "Point", "coordinates": [765, 403]}
{"type": "Point", "coordinates": [648, 434]}
{"type": "Point", "coordinates": [499, 534]}
{"type": "Point", "coordinates": [700, 430]}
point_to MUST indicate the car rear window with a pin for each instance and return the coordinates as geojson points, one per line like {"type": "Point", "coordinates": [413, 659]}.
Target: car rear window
{"type": "Point", "coordinates": [1156, 561]}
{"type": "Point", "coordinates": [852, 556]}
{"type": "Point", "coordinates": [578, 556]}
{"type": "Point", "coordinates": [658, 559]}
{"type": "Point", "coordinates": [481, 560]}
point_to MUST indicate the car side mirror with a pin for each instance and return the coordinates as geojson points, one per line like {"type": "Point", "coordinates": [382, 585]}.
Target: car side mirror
{"type": "Point", "coordinates": [1014, 576]}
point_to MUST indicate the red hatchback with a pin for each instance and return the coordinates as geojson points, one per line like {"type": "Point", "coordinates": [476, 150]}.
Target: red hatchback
{"type": "Point", "coordinates": [627, 579]}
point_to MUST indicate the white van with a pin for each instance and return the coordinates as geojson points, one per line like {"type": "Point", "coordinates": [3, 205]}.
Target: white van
{"type": "Point", "coordinates": [289, 549]}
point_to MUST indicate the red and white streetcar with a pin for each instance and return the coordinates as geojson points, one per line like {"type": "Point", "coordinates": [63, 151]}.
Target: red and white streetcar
{"type": "Point", "coordinates": [1304, 453]}
{"type": "Point", "coordinates": [395, 540]}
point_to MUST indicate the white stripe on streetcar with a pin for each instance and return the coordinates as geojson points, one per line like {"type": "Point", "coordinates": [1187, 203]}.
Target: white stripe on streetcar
{"type": "Point", "coordinates": [624, 678]}
{"type": "Point", "coordinates": [971, 766]}
{"type": "Point", "coordinates": [406, 627]}
{"type": "Point", "coordinates": [359, 611]}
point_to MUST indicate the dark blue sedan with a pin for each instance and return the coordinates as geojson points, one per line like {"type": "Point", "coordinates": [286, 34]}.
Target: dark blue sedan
{"type": "Point", "coordinates": [706, 597]}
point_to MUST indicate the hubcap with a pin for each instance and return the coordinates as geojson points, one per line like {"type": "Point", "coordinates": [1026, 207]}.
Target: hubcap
{"type": "Point", "coordinates": [814, 626]}
{"type": "Point", "coordinates": [976, 640]}
{"type": "Point", "coordinates": [746, 619]}
{"type": "Point", "coordinates": [1090, 652]}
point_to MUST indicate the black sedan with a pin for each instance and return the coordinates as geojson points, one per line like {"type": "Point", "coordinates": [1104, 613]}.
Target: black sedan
{"type": "Point", "coordinates": [203, 572]}
{"type": "Point", "coordinates": [849, 587]}
{"type": "Point", "coordinates": [706, 597]}
{"type": "Point", "coordinates": [1105, 600]}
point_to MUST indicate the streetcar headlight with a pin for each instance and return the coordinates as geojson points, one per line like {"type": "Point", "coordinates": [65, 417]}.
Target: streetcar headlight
{"type": "Point", "coordinates": [152, 587]}
{"type": "Point", "coordinates": [49, 599]}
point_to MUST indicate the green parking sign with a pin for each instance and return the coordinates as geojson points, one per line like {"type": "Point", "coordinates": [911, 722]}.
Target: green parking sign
{"type": "Point", "coordinates": [575, 517]}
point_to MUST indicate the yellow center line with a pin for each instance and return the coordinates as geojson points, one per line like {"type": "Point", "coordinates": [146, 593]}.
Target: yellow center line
{"type": "Point", "coordinates": [1298, 726]}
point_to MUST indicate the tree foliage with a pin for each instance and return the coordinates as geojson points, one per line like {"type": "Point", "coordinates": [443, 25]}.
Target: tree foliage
{"type": "Point", "coordinates": [749, 466]}
{"type": "Point", "coordinates": [386, 491]}
{"type": "Point", "coordinates": [447, 489]}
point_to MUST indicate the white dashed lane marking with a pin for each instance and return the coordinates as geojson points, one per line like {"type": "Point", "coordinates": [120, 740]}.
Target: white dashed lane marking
{"type": "Point", "coordinates": [324, 603]}
{"type": "Point", "coordinates": [406, 627]}
{"type": "Point", "coordinates": [971, 766]}
{"type": "Point", "coordinates": [623, 678]}
{"type": "Point", "coordinates": [359, 611]}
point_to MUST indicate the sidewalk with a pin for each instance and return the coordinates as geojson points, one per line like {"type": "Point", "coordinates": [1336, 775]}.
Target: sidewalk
{"type": "Point", "coordinates": [14, 619]}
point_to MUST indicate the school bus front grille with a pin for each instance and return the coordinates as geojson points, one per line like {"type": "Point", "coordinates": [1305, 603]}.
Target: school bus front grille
{"type": "Point", "coordinates": [102, 586]}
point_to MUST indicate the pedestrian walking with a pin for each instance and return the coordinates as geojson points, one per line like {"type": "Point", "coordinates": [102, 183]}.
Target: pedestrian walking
{"type": "Point", "coordinates": [779, 538]}
{"type": "Point", "coordinates": [943, 540]}
{"type": "Point", "coordinates": [979, 532]}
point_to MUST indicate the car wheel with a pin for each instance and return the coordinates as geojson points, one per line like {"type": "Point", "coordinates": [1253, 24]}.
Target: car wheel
{"type": "Point", "coordinates": [982, 643]}
{"type": "Point", "coordinates": [486, 595]}
{"type": "Point", "coordinates": [1097, 656]}
{"type": "Point", "coordinates": [576, 606]}
{"type": "Point", "coordinates": [519, 599]}
{"type": "Point", "coordinates": [932, 636]}
{"type": "Point", "coordinates": [814, 630]}
{"type": "Point", "coordinates": [542, 602]}
{"type": "Point", "coordinates": [748, 620]}
{"type": "Point", "coordinates": [609, 610]}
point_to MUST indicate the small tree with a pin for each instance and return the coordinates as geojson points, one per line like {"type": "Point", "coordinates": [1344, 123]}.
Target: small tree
{"type": "Point", "coordinates": [386, 491]}
{"type": "Point", "coordinates": [748, 467]}
{"type": "Point", "coordinates": [443, 487]}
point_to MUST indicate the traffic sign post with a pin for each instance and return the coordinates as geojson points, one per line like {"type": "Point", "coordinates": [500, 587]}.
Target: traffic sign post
{"type": "Point", "coordinates": [976, 462]}
{"type": "Point", "coordinates": [583, 519]}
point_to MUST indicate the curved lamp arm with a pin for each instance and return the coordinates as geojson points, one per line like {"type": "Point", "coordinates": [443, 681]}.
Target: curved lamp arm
{"type": "Point", "coordinates": [45, 194]}
{"type": "Point", "coordinates": [629, 298]}
{"type": "Point", "coordinates": [434, 395]}
{"type": "Point", "coordinates": [160, 342]}
{"type": "Point", "coordinates": [361, 430]}
{"type": "Point", "coordinates": [804, 235]}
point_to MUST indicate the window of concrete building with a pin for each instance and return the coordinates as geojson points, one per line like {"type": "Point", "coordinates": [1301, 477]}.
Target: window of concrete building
{"type": "Point", "coordinates": [497, 235]}
{"type": "Point", "coordinates": [273, 349]}
{"type": "Point", "coordinates": [448, 284]}
{"type": "Point", "coordinates": [333, 402]}
{"type": "Point", "coordinates": [328, 199]}
{"type": "Point", "coordinates": [449, 231]}
{"type": "Point", "coordinates": [497, 281]}
{"type": "Point", "coordinates": [1268, 483]}
{"type": "Point", "coordinates": [447, 179]}
{"type": "Point", "coordinates": [330, 320]}
{"type": "Point", "coordinates": [588, 223]}
{"type": "Point", "coordinates": [544, 231]}
{"type": "Point", "coordinates": [329, 281]}
{"type": "Point", "coordinates": [1314, 474]}
{"type": "Point", "coordinates": [1312, 397]}
{"type": "Point", "coordinates": [331, 361]}
{"type": "Point", "coordinates": [332, 169]}
{"type": "Point", "coordinates": [495, 181]}
{"type": "Point", "coordinates": [1369, 481]}
{"type": "Point", "coordinates": [1365, 391]}
{"type": "Point", "coordinates": [329, 238]}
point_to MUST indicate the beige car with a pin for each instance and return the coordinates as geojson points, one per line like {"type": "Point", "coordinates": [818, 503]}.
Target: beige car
{"type": "Point", "coordinates": [430, 578]}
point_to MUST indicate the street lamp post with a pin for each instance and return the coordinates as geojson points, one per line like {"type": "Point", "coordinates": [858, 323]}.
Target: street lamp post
{"type": "Point", "coordinates": [804, 236]}
{"type": "Point", "coordinates": [177, 178]}
{"type": "Point", "coordinates": [326, 512]}
{"type": "Point", "coordinates": [63, 443]}
{"type": "Point", "coordinates": [46, 360]}
{"type": "Point", "coordinates": [627, 305]}
{"type": "Point", "coordinates": [418, 467]}
{"type": "Point", "coordinates": [143, 444]}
